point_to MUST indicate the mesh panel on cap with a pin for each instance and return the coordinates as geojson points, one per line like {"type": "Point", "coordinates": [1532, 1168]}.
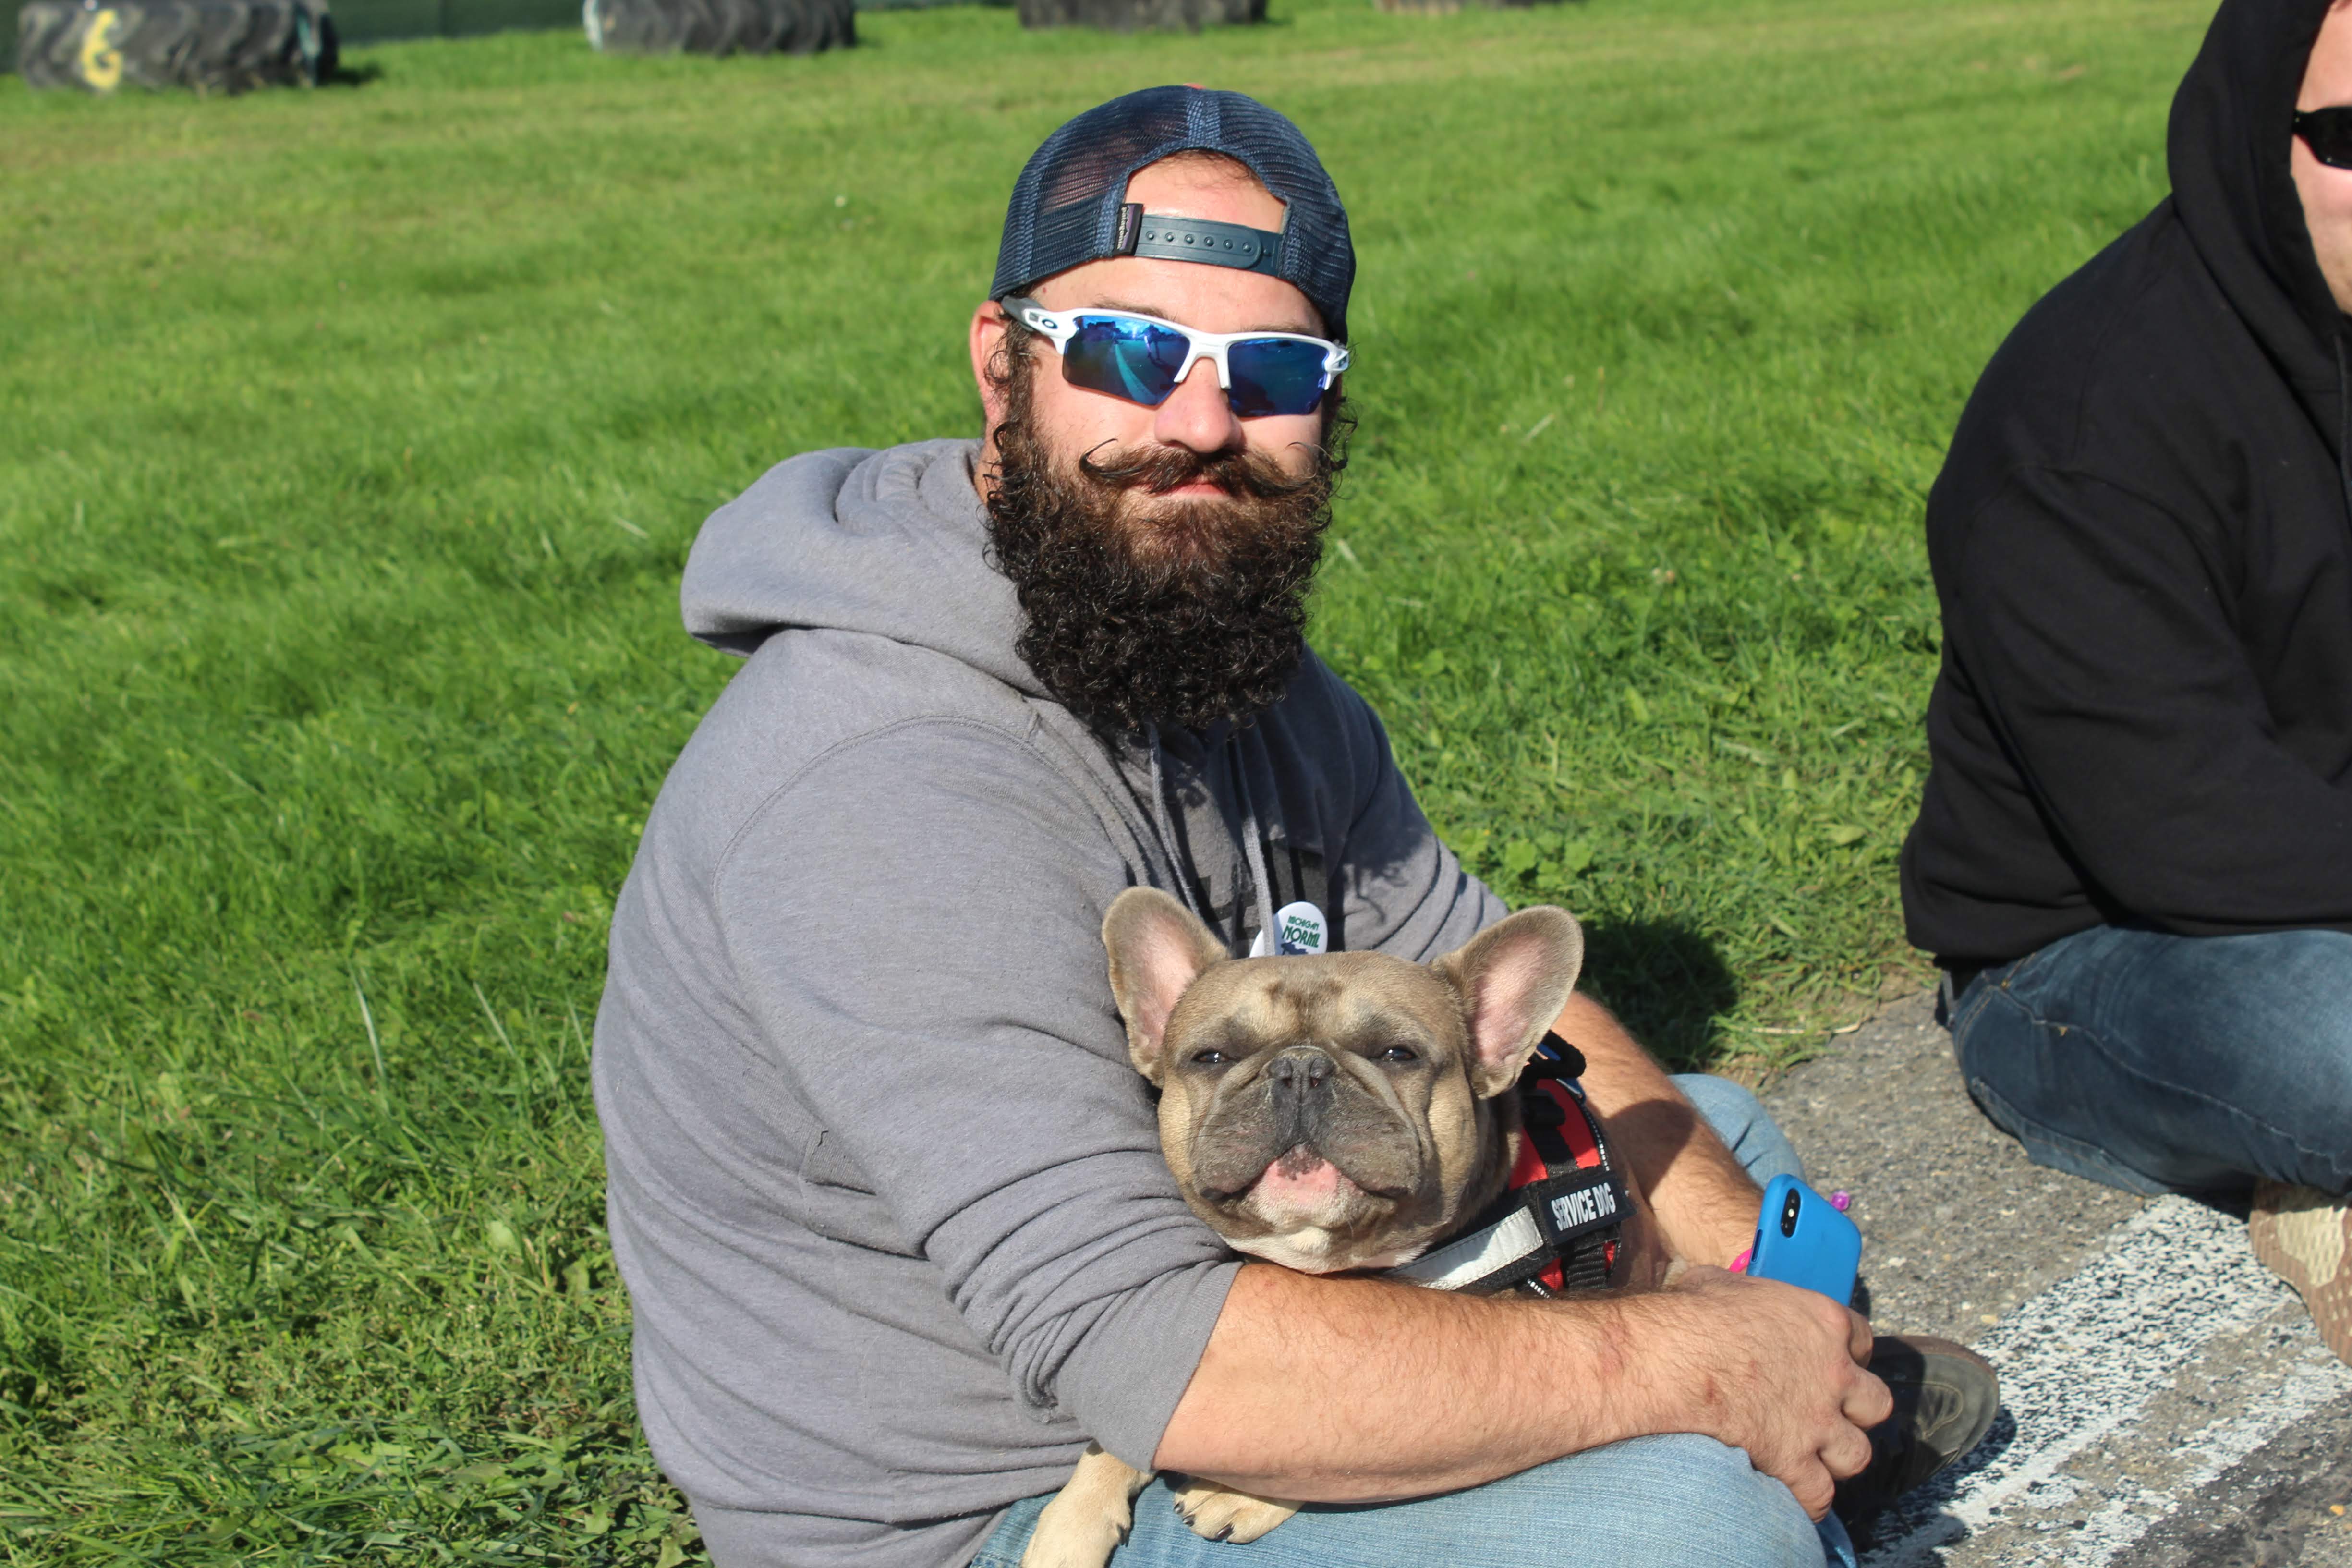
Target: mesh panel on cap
{"type": "Point", "coordinates": [1065, 206]}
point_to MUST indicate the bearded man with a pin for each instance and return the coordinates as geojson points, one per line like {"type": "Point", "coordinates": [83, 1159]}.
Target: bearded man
{"type": "Point", "coordinates": [886, 1192]}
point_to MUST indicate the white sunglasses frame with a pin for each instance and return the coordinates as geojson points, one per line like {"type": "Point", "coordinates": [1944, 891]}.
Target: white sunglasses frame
{"type": "Point", "coordinates": [1060, 327]}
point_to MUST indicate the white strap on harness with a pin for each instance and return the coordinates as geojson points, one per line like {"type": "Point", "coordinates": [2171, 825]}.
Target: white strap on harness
{"type": "Point", "coordinates": [1470, 1259]}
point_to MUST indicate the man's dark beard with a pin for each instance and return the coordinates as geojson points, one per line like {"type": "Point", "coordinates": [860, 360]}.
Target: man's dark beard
{"type": "Point", "coordinates": [1168, 612]}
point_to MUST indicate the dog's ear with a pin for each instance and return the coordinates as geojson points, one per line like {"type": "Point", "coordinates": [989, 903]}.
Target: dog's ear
{"type": "Point", "coordinates": [1513, 978]}
{"type": "Point", "coordinates": [1157, 949]}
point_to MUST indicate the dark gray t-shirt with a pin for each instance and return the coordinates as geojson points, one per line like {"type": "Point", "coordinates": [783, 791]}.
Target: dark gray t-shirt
{"type": "Point", "coordinates": [886, 1192]}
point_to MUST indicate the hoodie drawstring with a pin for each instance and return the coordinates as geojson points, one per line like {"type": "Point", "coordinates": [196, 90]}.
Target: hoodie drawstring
{"type": "Point", "coordinates": [1254, 847]}
{"type": "Point", "coordinates": [1165, 826]}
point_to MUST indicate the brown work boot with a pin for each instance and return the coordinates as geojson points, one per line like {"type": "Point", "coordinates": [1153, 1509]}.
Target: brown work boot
{"type": "Point", "coordinates": [1945, 1400]}
{"type": "Point", "coordinates": [2305, 1236]}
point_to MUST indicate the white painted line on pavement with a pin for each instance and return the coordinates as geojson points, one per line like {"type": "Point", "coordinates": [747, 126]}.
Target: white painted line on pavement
{"type": "Point", "coordinates": [2317, 1378]}
{"type": "Point", "coordinates": [2081, 1361]}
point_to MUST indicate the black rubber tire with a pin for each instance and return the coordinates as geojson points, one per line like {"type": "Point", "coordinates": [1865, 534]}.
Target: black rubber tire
{"type": "Point", "coordinates": [1131, 15]}
{"type": "Point", "coordinates": [719, 27]}
{"type": "Point", "coordinates": [211, 46]}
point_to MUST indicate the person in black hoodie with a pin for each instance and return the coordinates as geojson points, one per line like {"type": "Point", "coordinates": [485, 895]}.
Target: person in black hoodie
{"type": "Point", "coordinates": [2133, 854]}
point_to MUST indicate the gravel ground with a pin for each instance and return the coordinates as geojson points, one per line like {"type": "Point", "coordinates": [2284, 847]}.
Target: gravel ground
{"type": "Point", "coordinates": [2165, 1403]}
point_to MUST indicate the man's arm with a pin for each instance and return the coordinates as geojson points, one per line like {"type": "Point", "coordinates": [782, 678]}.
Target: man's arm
{"type": "Point", "coordinates": [2098, 629]}
{"type": "Point", "coordinates": [1702, 1198]}
{"type": "Point", "coordinates": [968, 1068]}
{"type": "Point", "coordinates": [1353, 1390]}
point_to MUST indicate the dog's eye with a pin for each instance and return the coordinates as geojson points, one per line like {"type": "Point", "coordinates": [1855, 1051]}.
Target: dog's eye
{"type": "Point", "coordinates": [1399, 1055]}
{"type": "Point", "coordinates": [1211, 1058]}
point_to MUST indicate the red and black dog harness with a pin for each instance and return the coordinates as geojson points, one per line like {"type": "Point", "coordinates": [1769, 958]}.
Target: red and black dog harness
{"type": "Point", "coordinates": [1556, 1227]}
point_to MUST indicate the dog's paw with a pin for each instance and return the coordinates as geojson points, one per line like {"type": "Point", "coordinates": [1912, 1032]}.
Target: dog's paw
{"type": "Point", "coordinates": [1088, 1517]}
{"type": "Point", "coordinates": [1222, 1515]}
{"type": "Point", "coordinates": [1074, 1539]}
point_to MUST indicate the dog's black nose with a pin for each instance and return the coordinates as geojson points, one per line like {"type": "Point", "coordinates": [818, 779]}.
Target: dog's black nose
{"type": "Point", "coordinates": [1301, 1077]}
{"type": "Point", "coordinates": [1299, 1069]}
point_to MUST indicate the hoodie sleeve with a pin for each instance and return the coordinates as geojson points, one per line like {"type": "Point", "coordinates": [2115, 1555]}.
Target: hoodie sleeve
{"type": "Point", "coordinates": [2096, 632]}
{"type": "Point", "coordinates": [937, 993]}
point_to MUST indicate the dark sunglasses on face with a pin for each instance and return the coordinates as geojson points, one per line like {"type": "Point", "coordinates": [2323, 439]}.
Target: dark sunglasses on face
{"type": "Point", "coordinates": [1144, 359]}
{"type": "Point", "coordinates": [2328, 133]}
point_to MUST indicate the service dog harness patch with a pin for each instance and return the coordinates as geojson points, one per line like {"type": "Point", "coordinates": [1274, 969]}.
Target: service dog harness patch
{"type": "Point", "coordinates": [1556, 1227]}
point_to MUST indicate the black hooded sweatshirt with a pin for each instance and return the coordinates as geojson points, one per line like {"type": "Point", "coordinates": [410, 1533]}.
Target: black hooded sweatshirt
{"type": "Point", "coordinates": [2143, 551]}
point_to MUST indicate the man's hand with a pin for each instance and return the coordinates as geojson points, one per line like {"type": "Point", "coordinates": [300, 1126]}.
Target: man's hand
{"type": "Point", "coordinates": [1786, 1367]}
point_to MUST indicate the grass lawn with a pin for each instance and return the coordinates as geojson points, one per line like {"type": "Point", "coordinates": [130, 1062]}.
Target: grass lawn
{"type": "Point", "coordinates": [354, 442]}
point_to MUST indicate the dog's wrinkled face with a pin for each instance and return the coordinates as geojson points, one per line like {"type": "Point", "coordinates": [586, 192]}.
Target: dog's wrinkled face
{"type": "Point", "coordinates": [1341, 1111]}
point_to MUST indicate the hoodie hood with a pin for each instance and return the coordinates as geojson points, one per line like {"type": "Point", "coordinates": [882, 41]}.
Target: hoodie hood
{"type": "Point", "coordinates": [2228, 151]}
{"type": "Point", "coordinates": [893, 543]}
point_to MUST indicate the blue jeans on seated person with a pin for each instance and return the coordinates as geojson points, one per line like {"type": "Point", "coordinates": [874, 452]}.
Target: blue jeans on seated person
{"type": "Point", "coordinates": [2160, 1063]}
{"type": "Point", "coordinates": [1661, 1501]}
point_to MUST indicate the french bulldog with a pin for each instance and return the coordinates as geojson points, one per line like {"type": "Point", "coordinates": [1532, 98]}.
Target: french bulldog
{"type": "Point", "coordinates": [1338, 1112]}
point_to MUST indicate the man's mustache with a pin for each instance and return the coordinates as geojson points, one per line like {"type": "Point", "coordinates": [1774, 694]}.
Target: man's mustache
{"type": "Point", "coordinates": [1161, 468]}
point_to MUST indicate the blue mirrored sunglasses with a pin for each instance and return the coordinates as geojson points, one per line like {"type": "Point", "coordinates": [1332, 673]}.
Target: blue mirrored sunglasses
{"type": "Point", "coordinates": [1144, 359]}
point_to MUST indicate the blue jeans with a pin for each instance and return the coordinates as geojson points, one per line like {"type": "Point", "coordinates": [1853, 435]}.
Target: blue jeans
{"type": "Point", "coordinates": [2160, 1063]}
{"type": "Point", "coordinates": [1661, 1501]}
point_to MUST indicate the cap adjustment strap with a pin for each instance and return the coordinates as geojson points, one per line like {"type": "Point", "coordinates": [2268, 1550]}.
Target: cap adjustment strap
{"type": "Point", "coordinates": [1232, 245]}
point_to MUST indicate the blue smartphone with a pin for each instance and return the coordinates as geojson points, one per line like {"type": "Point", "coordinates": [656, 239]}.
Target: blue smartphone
{"type": "Point", "coordinates": [1802, 1239]}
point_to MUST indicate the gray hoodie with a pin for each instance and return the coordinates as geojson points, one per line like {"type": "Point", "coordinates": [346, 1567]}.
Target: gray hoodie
{"type": "Point", "coordinates": [886, 1193]}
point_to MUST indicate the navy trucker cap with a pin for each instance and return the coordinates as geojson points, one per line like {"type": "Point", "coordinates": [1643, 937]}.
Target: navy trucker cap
{"type": "Point", "coordinates": [1070, 205]}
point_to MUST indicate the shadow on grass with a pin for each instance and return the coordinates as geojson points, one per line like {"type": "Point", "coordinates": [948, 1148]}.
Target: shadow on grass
{"type": "Point", "coordinates": [1665, 981]}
